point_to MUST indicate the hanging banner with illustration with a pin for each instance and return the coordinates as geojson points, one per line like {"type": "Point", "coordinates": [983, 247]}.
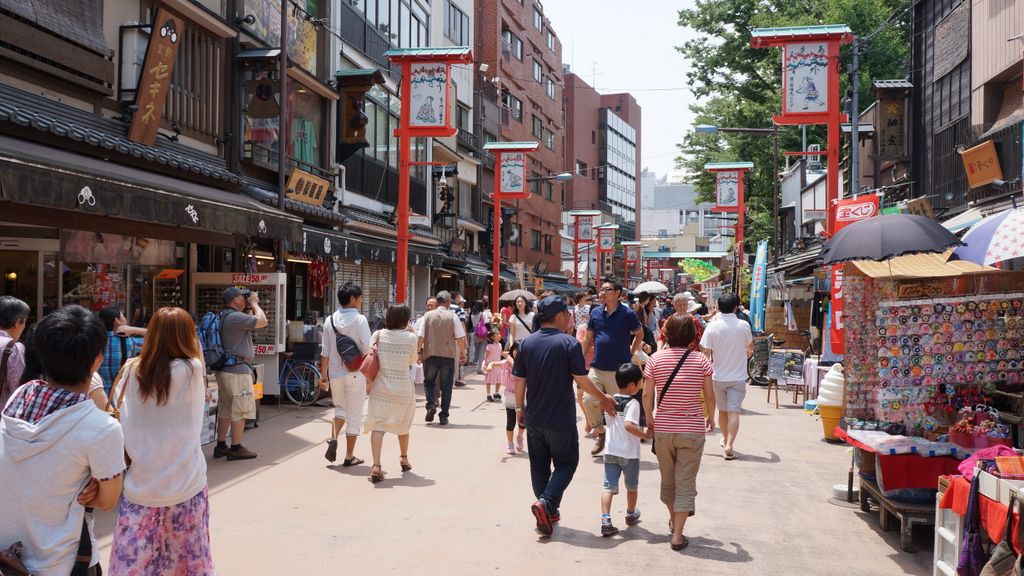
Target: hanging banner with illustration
{"type": "Point", "coordinates": [759, 287]}
{"type": "Point", "coordinates": [513, 173]}
{"type": "Point", "coordinates": [605, 240]}
{"type": "Point", "coordinates": [805, 78]}
{"type": "Point", "coordinates": [727, 193]}
{"type": "Point", "coordinates": [429, 86]}
{"type": "Point", "coordinates": [584, 228]}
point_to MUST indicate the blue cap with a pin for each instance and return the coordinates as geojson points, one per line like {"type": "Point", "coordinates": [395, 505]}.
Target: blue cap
{"type": "Point", "coordinates": [551, 305]}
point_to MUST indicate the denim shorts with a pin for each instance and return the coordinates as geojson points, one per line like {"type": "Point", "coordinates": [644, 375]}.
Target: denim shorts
{"type": "Point", "coordinates": [614, 466]}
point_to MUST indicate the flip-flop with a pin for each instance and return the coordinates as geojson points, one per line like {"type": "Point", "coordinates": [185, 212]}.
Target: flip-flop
{"type": "Point", "coordinates": [678, 547]}
{"type": "Point", "coordinates": [729, 455]}
{"type": "Point", "coordinates": [353, 461]}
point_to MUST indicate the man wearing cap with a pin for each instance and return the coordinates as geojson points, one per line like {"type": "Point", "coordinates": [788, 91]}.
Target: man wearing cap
{"type": "Point", "coordinates": [616, 334]}
{"type": "Point", "coordinates": [236, 398]}
{"type": "Point", "coordinates": [442, 342]}
{"type": "Point", "coordinates": [548, 362]}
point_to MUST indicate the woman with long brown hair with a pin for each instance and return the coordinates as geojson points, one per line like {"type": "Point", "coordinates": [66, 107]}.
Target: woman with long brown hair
{"type": "Point", "coordinates": [164, 515]}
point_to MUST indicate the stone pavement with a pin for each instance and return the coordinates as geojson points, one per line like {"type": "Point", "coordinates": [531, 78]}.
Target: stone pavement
{"type": "Point", "coordinates": [464, 509]}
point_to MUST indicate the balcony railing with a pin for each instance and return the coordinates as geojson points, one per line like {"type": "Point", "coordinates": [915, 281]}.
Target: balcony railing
{"type": "Point", "coordinates": [265, 157]}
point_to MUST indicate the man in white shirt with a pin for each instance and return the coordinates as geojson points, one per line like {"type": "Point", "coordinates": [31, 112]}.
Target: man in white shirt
{"type": "Point", "coordinates": [729, 343]}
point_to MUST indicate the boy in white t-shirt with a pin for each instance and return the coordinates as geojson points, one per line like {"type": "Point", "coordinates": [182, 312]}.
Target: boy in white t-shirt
{"type": "Point", "coordinates": [622, 450]}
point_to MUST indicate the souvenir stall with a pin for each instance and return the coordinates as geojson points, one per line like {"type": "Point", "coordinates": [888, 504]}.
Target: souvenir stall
{"type": "Point", "coordinates": [930, 346]}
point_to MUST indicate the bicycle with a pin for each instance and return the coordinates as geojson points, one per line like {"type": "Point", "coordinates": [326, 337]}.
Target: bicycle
{"type": "Point", "coordinates": [300, 375]}
{"type": "Point", "coordinates": [757, 364]}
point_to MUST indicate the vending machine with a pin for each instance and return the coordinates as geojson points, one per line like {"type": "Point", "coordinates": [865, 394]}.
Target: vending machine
{"type": "Point", "coordinates": [207, 291]}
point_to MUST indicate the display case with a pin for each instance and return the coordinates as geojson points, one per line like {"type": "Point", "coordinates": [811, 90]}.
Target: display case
{"type": "Point", "coordinates": [169, 289]}
{"type": "Point", "coordinates": [207, 290]}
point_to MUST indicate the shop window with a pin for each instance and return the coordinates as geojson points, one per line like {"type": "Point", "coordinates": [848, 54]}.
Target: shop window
{"type": "Point", "coordinates": [302, 36]}
{"type": "Point", "coordinates": [535, 239]}
{"type": "Point", "coordinates": [306, 121]}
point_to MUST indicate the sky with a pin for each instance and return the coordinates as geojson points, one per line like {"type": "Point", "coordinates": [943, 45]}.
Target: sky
{"type": "Point", "coordinates": [620, 46]}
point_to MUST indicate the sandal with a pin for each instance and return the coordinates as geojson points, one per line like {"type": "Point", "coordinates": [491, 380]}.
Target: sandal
{"type": "Point", "coordinates": [729, 455]}
{"type": "Point", "coordinates": [376, 474]}
{"type": "Point", "coordinates": [684, 544]}
{"type": "Point", "coordinates": [404, 462]}
{"type": "Point", "coordinates": [353, 461]}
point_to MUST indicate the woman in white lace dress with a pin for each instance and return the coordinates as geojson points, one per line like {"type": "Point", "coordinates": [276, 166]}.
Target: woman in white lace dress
{"type": "Point", "coordinates": [392, 394]}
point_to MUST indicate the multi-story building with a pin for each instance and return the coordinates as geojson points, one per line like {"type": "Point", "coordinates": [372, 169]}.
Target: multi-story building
{"type": "Point", "coordinates": [523, 56]}
{"type": "Point", "coordinates": [603, 150]}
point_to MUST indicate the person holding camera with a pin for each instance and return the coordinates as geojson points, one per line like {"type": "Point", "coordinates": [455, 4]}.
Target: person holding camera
{"type": "Point", "coordinates": [236, 397]}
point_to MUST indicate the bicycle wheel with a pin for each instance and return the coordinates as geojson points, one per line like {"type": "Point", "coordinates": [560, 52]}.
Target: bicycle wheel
{"type": "Point", "coordinates": [757, 369]}
{"type": "Point", "coordinates": [302, 384]}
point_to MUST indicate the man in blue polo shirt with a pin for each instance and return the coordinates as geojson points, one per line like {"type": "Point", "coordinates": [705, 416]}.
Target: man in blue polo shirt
{"type": "Point", "coordinates": [616, 334]}
{"type": "Point", "coordinates": [548, 362]}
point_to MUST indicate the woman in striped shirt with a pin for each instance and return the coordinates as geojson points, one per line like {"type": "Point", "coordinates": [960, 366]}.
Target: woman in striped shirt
{"type": "Point", "coordinates": [678, 419]}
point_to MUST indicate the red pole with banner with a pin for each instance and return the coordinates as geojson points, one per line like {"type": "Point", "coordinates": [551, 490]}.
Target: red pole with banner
{"type": "Point", "coordinates": [583, 233]}
{"type": "Point", "coordinates": [845, 212]}
{"type": "Point", "coordinates": [430, 92]}
{"type": "Point", "coordinates": [509, 184]}
{"type": "Point", "coordinates": [729, 197]}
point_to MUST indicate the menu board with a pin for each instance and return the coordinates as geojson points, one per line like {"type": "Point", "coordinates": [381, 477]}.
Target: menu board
{"type": "Point", "coordinates": [786, 365]}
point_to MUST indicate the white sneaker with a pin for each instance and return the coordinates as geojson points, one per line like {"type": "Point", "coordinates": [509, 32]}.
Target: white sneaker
{"type": "Point", "coordinates": [511, 450]}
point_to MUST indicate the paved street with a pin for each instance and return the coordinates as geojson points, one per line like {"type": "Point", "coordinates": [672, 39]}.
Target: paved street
{"type": "Point", "coordinates": [465, 507]}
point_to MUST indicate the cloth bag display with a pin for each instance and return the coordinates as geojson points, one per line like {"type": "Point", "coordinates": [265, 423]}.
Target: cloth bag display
{"type": "Point", "coordinates": [1004, 557]}
{"type": "Point", "coordinates": [972, 553]}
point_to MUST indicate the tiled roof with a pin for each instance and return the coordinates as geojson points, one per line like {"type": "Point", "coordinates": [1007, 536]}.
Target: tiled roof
{"type": "Point", "coordinates": [800, 31]}
{"type": "Point", "coordinates": [892, 84]}
{"type": "Point", "coordinates": [31, 111]}
{"type": "Point", "coordinates": [375, 219]}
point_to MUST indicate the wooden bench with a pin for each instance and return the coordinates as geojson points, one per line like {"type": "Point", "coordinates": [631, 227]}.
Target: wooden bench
{"type": "Point", "coordinates": [907, 514]}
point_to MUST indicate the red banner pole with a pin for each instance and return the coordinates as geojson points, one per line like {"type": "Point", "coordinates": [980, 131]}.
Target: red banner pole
{"type": "Point", "coordinates": [832, 194]}
{"type": "Point", "coordinates": [402, 210]}
{"type": "Point", "coordinates": [740, 216]}
{"type": "Point", "coordinates": [496, 235]}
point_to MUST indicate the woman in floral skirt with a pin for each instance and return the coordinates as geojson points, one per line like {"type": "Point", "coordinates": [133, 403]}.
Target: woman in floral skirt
{"type": "Point", "coordinates": [163, 523]}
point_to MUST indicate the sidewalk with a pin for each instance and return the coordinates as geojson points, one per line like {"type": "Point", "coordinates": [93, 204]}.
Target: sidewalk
{"type": "Point", "coordinates": [465, 506]}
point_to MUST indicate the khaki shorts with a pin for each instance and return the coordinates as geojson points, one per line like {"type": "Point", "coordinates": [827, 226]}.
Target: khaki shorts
{"type": "Point", "coordinates": [236, 399]}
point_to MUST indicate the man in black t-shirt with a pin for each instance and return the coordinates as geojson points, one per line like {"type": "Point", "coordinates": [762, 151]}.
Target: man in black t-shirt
{"type": "Point", "coordinates": [548, 362]}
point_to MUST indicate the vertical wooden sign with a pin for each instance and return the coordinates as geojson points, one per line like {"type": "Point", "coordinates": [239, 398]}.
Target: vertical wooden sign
{"type": "Point", "coordinates": [167, 32]}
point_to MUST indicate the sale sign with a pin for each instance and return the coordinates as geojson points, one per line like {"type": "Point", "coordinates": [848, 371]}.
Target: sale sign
{"type": "Point", "coordinates": [847, 212]}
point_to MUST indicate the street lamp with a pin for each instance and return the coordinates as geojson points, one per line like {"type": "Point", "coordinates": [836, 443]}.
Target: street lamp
{"type": "Point", "coordinates": [774, 133]}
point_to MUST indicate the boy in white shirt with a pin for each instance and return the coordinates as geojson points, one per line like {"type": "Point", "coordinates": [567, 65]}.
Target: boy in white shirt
{"type": "Point", "coordinates": [622, 451]}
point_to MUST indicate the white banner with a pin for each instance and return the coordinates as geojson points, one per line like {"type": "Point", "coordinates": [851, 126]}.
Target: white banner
{"type": "Point", "coordinates": [606, 240]}
{"type": "Point", "coordinates": [429, 91]}
{"type": "Point", "coordinates": [805, 77]}
{"type": "Point", "coordinates": [585, 228]}
{"type": "Point", "coordinates": [727, 189]}
{"type": "Point", "coordinates": [513, 173]}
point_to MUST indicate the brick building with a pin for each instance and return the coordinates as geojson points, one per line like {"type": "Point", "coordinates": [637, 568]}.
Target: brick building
{"type": "Point", "coordinates": [516, 42]}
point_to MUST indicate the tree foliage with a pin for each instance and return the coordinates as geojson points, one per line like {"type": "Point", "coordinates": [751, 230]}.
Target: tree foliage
{"type": "Point", "coordinates": [738, 86]}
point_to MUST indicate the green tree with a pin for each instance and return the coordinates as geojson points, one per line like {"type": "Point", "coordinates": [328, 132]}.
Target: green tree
{"type": "Point", "coordinates": [738, 86]}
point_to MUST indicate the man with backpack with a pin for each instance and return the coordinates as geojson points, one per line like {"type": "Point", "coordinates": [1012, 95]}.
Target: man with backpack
{"type": "Point", "coordinates": [346, 341]}
{"type": "Point", "coordinates": [236, 399]}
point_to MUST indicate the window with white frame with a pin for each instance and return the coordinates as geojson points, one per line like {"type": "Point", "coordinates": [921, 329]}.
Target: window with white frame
{"type": "Point", "coordinates": [581, 167]}
{"type": "Point", "coordinates": [456, 24]}
{"type": "Point", "coordinates": [513, 43]}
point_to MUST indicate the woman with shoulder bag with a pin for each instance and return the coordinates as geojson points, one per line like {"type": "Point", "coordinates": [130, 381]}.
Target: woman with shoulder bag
{"type": "Point", "coordinates": [676, 419]}
{"type": "Point", "coordinates": [164, 515]}
{"type": "Point", "coordinates": [520, 322]}
{"type": "Point", "coordinates": [392, 394]}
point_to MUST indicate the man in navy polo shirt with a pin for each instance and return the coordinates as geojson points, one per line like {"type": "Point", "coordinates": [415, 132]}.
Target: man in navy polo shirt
{"type": "Point", "coordinates": [548, 362]}
{"type": "Point", "coordinates": [616, 334]}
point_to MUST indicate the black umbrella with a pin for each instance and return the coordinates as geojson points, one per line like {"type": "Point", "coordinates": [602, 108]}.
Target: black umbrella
{"type": "Point", "coordinates": [887, 236]}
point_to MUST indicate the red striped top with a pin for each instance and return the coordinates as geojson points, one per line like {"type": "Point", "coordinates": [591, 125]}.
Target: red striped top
{"type": "Point", "coordinates": [681, 411]}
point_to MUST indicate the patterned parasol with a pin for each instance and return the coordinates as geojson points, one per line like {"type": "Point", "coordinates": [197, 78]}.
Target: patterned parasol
{"type": "Point", "coordinates": [995, 239]}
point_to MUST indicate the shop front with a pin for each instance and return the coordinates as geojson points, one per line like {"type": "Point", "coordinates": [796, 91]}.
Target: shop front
{"type": "Point", "coordinates": [84, 231]}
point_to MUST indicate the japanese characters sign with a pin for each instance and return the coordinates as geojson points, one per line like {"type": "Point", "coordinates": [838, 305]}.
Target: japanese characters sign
{"type": "Point", "coordinates": [892, 142]}
{"type": "Point", "coordinates": [805, 78]}
{"type": "Point", "coordinates": [853, 209]}
{"type": "Point", "coordinates": [727, 189]}
{"type": "Point", "coordinates": [429, 82]}
{"type": "Point", "coordinates": [632, 255]}
{"type": "Point", "coordinates": [982, 165]}
{"type": "Point", "coordinates": [513, 173]}
{"type": "Point", "coordinates": [585, 228]}
{"type": "Point", "coordinates": [305, 187]}
{"type": "Point", "coordinates": [155, 81]}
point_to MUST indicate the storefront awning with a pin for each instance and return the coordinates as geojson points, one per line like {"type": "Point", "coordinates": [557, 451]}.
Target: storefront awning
{"type": "Point", "coordinates": [328, 243]}
{"type": "Point", "coordinates": [38, 175]}
{"type": "Point", "coordinates": [921, 266]}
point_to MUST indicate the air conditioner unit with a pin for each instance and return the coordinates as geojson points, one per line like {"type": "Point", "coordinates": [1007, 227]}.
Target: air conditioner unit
{"type": "Point", "coordinates": [134, 40]}
{"type": "Point", "coordinates": [814, 160]}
